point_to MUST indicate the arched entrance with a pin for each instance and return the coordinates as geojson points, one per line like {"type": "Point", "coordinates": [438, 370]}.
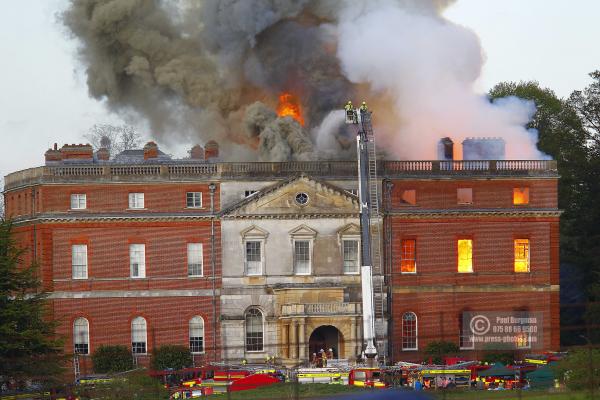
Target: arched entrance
{"type": "Point", "coordinates": [326, 337]}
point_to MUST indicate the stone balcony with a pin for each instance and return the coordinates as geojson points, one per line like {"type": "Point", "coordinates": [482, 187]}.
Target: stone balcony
{"type": "Point", "coordinates": [324, 309]}
{"type": "Point", "coordinates": [203, 171]}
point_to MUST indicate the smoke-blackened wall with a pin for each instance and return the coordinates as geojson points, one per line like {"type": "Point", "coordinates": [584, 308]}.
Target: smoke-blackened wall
{"type": "Point", "coordinates": [215, 69]}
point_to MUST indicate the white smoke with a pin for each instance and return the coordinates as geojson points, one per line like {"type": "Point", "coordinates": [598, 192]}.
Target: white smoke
{"type": "Point", "coordinates": [426, 66]}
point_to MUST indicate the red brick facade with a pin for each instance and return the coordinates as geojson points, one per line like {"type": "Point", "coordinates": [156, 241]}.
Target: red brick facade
{"type": "Point", "coordinates": [109, 298]}
{"type": "Point", "coordinates": [437, 293]}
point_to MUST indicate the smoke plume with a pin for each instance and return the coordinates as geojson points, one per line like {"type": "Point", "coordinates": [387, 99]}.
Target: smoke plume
{"type": "Point", "coordinates": [215, 70]}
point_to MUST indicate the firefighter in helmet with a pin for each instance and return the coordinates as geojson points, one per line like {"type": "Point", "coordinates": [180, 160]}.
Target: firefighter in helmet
{"type": "Point", "coordinates": [348, 106]}
{"type": "Point", "coordinates": [363, 107]}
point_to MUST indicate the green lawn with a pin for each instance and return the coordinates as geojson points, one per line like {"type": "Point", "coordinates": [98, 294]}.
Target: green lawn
{"type": "Point", "coordinates": [508, 395]}
{"type": "Point", "coordinates": [290, 391]}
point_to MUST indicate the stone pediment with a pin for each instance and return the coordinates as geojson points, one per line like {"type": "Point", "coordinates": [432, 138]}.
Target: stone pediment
{"type": "Point", "coordinates": [299, 197]}
{"type": "Point", "coordinates": [349, 230]}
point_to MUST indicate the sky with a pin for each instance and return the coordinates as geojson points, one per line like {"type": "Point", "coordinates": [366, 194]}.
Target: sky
{"type": "Point", "coordinates": [44, 95]}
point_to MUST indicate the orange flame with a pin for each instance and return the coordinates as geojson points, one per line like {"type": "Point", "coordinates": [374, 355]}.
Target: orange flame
{"type": "Point", "coordinates": [290, 106]}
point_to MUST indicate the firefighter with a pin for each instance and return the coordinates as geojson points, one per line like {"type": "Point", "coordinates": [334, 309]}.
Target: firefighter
{"type": "Point", "coordinates": [348, 106]}
{"type": "Point", "coordinates": [363, 107]}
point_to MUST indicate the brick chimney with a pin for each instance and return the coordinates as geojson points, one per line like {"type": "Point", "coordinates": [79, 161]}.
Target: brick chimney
{"type": "Point", "coordinates": [150, 150]}
{"type": "Point", "coordinates": [103, 154]}
{"type": "Point", "coordinates": [77, 152]}
{"type": "Point", "coordinates": [53, 154]}
{"type": "Point", "coordinates": [197, 153]}
{"type": "Point", "coordinates": [211, 150]}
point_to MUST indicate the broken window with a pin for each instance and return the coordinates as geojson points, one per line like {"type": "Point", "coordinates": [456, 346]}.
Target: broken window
{"type": "Point", "coordinates": [464, 196]}
{"type": "Point", "coordinates": [408, 258]}
{"type": "Point", "coordinates": [521, 255]}
{"type": "Point", "coordinates": [465, 255]}
{"type": "Point", "coordinates": [409, 197]}
{"type": "Point", "coordinates": [520, 195]}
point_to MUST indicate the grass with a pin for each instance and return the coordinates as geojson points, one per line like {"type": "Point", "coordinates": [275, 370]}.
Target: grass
{"type": "Point", "coordinates": [290, 391]}
{"type": "Point", "coordinates": [509, 395]}
{"type": "Point", "coordinates": [284, 391]}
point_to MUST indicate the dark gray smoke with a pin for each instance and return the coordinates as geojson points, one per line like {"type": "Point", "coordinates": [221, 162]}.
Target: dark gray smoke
{"type": "Point", "coordinates": [195, 70]}
{"type": "Point", "coordinates": [196, 66]}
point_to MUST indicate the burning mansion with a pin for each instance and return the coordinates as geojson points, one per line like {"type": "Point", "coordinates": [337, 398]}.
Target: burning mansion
{"type": "Point", "coordinates": [248, 260]}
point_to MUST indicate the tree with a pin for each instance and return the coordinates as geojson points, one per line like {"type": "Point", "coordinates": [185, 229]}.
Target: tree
{"type": "Point", "coordinates": [171, 357]}
{"type": "Point", "coordinates": [29, 348]}
{"type": "Point", "coordinates": [438, 350]}
{"type": "Point", "coordinates": [114, 138]}
{"type": "Point", "coordinates": [116, 358]}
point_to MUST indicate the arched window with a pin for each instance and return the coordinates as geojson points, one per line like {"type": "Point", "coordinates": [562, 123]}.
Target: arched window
{"type": "Point", "coordinates": [409, 331]}
{"type": "Point", "coordinates": [197, 335]}
{"type": "Point", "coordinates": [138, 335]}
{"type": "Point", "coordinates": [81, 336]}
{"type": "Point", "coordinates": [254, 330]}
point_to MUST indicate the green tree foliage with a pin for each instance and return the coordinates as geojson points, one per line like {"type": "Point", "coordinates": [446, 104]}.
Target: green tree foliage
{"type": "Point", "coordinates": [29, 348]}
{"type": "Point", "coordinates": [135, 385]}
{"type": "Point", "coordinates": [438, 350]}
{"type": "Point", "coordinates": [171, 357]}
{"type": "Point", "coordinates": [580, 369]}
{"type": "Point", "coordinates": [493, 357]}
{"type": "Point", "coordinates": [112, 359]}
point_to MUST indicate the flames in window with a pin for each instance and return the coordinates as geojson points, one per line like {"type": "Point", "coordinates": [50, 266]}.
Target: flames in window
{"type": "Point", "coordinates": [465, 255]}
{"type": "Point", "coordinates": [289, 105]}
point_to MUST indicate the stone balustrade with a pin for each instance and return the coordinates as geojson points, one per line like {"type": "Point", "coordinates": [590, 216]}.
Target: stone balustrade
{"type": "Point", "coordinates": [330, 309]}
{"type": "Point", "coordinates": [186, 171]}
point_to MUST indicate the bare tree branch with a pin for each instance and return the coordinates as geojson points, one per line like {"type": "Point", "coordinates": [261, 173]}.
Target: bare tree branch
{"type": "Point", "coordinates": [114, 138]}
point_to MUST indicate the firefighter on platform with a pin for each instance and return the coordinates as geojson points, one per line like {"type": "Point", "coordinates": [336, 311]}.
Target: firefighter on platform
{"type": "Point", "coordinates": [350, 113]}
{"type": "Point", "coordinates": [363, 107]}
{"type": "Point", "coordinates": [348, 106]}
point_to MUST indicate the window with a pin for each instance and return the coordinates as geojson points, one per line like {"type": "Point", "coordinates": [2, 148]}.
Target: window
{"type": "Point", "coordinates": [197, 335]}
{"type": "Point", "coordinates": [408, 259]}
{"type": "Point", "coordinates": [138, 336]}
{"type": "Point", "coordinates": [301, 199]}
{"type": "Point", "coordinates": [351, 259]}
{"type": "Point", "coordinates": [254, 330]}
{"type": "Point", "coordinates": [253, 257]}
{"type": "Point", "coordinates": [137, 260]}
{"type": "Point", "coordinates": [249, 193]}
{"type": "Point", "coordinates": [409, 331]}
{"type": "Point", "coordinates": [302, 257]}
{"type": "Point", "coordinates": [521, 255]}
{"type": "Point", "coordinates": [136, 200]}
{"type": "Point", "coordinates": [79, 261]}
{"type": "Point", "coordinates": [194, 255]}
{"type": "Point", "coordinates": [194, 199]}
{"type": "Point", "coordinates": [409, 197]}
{"type": "Point", "coordinates": [466, 339]}
{"type": "Point", "coordinates": [520, 196]}
{"type": "Point", "coordinates": [81, 336]}
{"type": "Point", "coordinates": [464, 196]}
{"type": "Point", "coordinates": [465, 255]}
{"type": "Point", "coordinates": [78, 202]}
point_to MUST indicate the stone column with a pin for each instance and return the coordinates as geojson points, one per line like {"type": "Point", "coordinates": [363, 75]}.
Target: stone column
{"type": "Point", "coordinates": [353, 341]}
{"type": "Point", "coordinates": [284, 341]}
{"type": "Point", "coordinates": [302, 339]}
{"type": "Point", "coordinates": [294, 340]}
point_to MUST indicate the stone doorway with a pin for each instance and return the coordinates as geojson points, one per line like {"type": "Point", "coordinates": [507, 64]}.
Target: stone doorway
{"type": "Point", "coordinates": [326, 337]}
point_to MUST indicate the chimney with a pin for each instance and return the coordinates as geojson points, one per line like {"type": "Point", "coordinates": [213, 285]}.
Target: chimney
{"type": "Point", "coordinates": [197, 153]}
{"type": "Point", "coordinates": [483, 149]}
{"type": "Point", "coordinates": [446, 149]}
{"type": "Point", "coordinates": [150, 150]}
{"type": "Point", "coordinates": [211, 150]}
{"type": "Point", "coordinates": [103, 154]}
{"type": "Point", "coordinates": [53, 155]}
{"type": "Point", "coordinates": [77, 152]}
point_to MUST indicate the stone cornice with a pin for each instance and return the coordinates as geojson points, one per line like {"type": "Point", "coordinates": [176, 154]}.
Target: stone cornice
{"type": "Point", "coordinates": [462, 213]}
{"type": "Point", "coordinates": [475, 288]}
{"type": "Point", "coordinates": [70, 218]}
